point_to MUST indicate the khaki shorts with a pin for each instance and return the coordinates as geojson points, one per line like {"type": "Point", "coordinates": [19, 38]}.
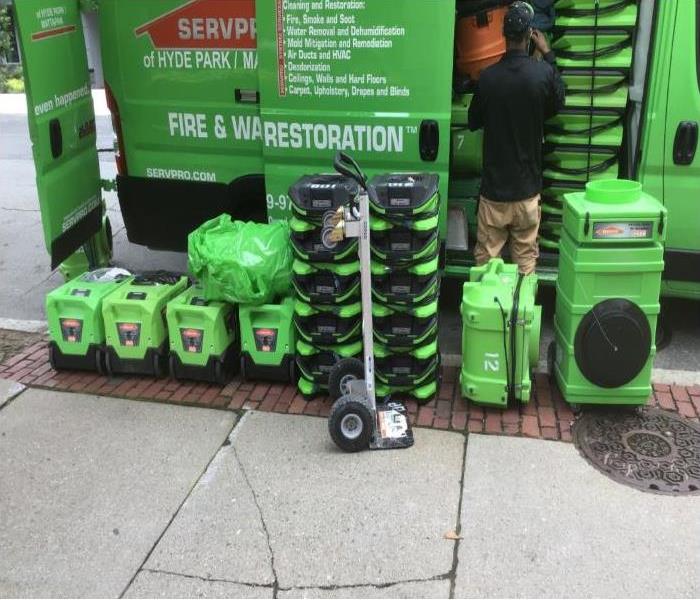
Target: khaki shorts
{"type": "Point", "coordinates": [499, 221]}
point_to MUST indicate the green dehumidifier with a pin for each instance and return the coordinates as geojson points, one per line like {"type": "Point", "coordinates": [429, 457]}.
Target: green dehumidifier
{"type": "Point", "coordinates": [204, 338]}
{"type": "Point", "coordinates": [267, 341]}
{"type": "Point", "coordinates": [134, 318]}
{"type": "Point", "coordinates": [74, 314]}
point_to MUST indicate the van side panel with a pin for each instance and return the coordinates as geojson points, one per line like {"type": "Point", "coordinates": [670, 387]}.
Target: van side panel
{"type": "Point", "coordinates": [372, 78]}
{"type": "Point", "coordinates": [183, 75]}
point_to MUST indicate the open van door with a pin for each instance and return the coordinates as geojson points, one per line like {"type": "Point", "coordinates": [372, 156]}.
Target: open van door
{"type": "Point", "coordinates": [61, 123]}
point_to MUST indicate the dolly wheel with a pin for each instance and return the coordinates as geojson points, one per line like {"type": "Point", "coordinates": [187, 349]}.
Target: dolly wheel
{"type": "Point", "coordinates": [343, 372]}
{"type": "Point", "coordinates": [326, 240]}
{"type": "Point", "coordinates": [351, 423]}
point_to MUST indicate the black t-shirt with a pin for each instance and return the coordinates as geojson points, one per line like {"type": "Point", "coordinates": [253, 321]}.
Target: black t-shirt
{"type": "Point", "coordinates": [513, 99]}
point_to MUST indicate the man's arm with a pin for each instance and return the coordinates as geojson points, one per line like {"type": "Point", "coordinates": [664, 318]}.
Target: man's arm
{"type": "Point", "coordinates": [556, 92]}
{"type": "Point", "coordinates": [476, 117]}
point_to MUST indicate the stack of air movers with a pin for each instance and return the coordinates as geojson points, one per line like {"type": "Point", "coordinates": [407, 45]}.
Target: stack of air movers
{"type": "Point", "coordinates": [327, 310]}
{"type": "Point", "coordinates": [405, 284]}
{"type": "Point", "coordinates": [594, 42]}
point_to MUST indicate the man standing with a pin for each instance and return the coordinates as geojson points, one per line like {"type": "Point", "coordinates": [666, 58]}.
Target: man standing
{"type": "Point", "coordinates": [513, 99]}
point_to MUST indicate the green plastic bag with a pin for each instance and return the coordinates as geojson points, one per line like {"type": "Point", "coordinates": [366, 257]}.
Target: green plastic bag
{"type": "Point", "coordinates": [241, 262]}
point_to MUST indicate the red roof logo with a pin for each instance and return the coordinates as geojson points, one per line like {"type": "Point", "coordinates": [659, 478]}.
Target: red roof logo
{"type": "Point", "coordinates": [205, 24]}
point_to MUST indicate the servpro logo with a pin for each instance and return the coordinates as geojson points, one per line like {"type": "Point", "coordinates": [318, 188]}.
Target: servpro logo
{"type": "Point", "coordinates": [205, 24]}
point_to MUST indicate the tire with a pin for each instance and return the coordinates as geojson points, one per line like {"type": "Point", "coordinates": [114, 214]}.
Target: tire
{"type": "Point", "coordinates": [108, 365]}
{"type": "Point", "coordinates": [158, 370]}
{"type": "Point", "coordinates": [52, 357]}
{"type": "Point", "coordinates": [243, 369]}
{"type": "Point", "coordinates": [220, 374]}
{"type": "Point", "coordinates": [293, 371]}
{"type": "Point", "coordinates": [351, 423]}
{"type": "Point", "coordinates": [100, 362]}
{"type": "Point", "coordinates": [327, 216]}
{"type": "Point", "coordinates": [172, 368]}
{"type": "Point", "coordinates": [664, 332]}
{"type": "Point", "coordinates": [344, 371]}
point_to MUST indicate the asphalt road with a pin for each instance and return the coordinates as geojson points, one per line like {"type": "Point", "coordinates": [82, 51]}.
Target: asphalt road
{"type": "Point", "coordinates": [25, 272]}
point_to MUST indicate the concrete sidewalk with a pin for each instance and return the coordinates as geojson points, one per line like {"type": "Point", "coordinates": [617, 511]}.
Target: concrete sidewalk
{"type": "Point", "coordinates": [109, 497]}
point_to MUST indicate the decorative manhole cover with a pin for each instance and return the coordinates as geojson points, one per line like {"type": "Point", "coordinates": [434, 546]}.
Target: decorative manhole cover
{"type": "Point", "coordinates": [647, 448]}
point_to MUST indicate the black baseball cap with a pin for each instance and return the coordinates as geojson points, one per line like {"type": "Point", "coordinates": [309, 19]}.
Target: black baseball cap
{"type": "Point", "coordinates": [518, 18]}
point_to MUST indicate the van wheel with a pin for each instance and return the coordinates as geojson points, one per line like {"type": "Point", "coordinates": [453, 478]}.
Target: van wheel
{"type": "Point", "coordinates": [343, 372]}
{"type": "Point", "coordinates": [350, 423]}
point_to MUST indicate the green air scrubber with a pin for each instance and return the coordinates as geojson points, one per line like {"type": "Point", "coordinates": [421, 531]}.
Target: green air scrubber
{"type": "Point", "coordinates": [74, 315]}
{"type": "Point", "coordinates": [315, 363]}
{"type": "Point", "coordinates": [610, 265]}
{"type": "Point", "coordinates": [500, 334]}
{"type": "Point", "coordinates": [406, 286]}
{"type": "Point", "coordinates": [268, 338]}
{"type": "Point", "coordinates": [204, 338]}
{"type": "Point", "coordinates": [134, 318]}
{"type": "Point", "coordinates": [328, 324]}
{"type": "Point", "coordinates": [326, 283]}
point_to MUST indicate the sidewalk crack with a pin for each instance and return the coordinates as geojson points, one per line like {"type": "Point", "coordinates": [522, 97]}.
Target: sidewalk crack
{"type": "Point", "coordinates": [275, 583]}
{"type": "Point", "coordinates": [379, 586]}
{"type": "Point", "coordinates": [207, 579]}
{"type": "Point", "coordinates": [458, 526]}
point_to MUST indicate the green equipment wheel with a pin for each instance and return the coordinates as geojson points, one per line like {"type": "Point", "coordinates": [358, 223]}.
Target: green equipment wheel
{"type": "Point", "coordinates": [220, 375]}
{"type": "Point", "coordinates": [243, 369]}
{"type": "Point", "coordinates": [108, 365]}
{"type": "Point", "coordinates": [350, 423]}
{"type": "Point", "coordinates": [172, 368]}
{"type": "Point", "coordinates": [343, 372]}
{"type": "Point", "coordinates": [158, 366]}
{"type": "Point", "coordinates": [52, 357]}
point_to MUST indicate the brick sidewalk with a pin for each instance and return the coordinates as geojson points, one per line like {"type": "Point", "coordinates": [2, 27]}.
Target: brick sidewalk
{"type": "Point", "coordinates": [547, 416]}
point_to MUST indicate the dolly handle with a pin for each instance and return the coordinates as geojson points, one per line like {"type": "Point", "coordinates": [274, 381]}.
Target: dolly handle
{"type": "Point", "coordinates": [346, 165]}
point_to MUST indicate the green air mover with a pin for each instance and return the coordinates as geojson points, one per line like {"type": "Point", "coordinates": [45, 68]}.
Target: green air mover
{"type": "Point", "coordinates": [204, 338]}
{"type": "Point", "coordinates": [74, 314]}
{"type": "Point", "coordinates": [311, 243]}
{"type": "Point", "coordinates": [500, 334]}
{"type": "Point", "coordinates": [315, 364]}
{"type": "Point", "coordinates": [599, 47]}
{"type": "Point", "coordinates": [581, 126]}
{"type": "Point", "coordinates": [328, 324]}
{"type": "Point", "coordinates": [407, 366]}
{"type": "Point", "coordinates": [610, 264]}
{"type": "Point", "coordinates": [596, 88]}
{"type": "Point", "coordinates": [405, 286]}
{"type": "Point", "coordinates": [402, 196]}
{"type": "Point", "coordinates": [604, 13]}
{"type": "Point", "coordinates": [403, 243]}
{"type": "Point", "coordinates": [267, 341]}
{"type": "Point", "coordinates": [326, 283]}
{"type": "Point", "coordinates": [405, 325]}
{"type": "Point", "coordinates": [134, 318]}
{"type": "Point", "coordinates": [580, 163]}
{"type": "Point", "coordinates": [315, 197]}
{"type": "Point", "coordinates": [422, 393]}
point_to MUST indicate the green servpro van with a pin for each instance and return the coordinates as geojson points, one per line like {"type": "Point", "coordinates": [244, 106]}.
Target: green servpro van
{"type": "Point", "coordinates": [220, 105]}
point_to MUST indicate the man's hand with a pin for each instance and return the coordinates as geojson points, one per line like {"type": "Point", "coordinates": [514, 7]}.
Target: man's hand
{"type": "Point", "coordinates": [540, 41]}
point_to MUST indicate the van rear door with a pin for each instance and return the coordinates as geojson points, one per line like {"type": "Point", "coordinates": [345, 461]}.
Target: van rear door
{"type": "Point", "coordinates": [61, 123]}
